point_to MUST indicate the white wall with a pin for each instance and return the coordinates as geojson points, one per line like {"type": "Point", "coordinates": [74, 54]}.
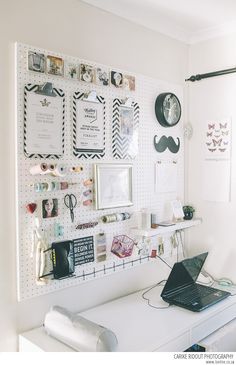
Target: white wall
{"type": "Point", "coordinates": [73, 28]}
{"type": "Point", "coordinates": [208, 100]}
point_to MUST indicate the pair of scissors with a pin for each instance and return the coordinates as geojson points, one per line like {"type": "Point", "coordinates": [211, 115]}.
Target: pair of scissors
{"type": "Point", "coordinates": [70, 202]}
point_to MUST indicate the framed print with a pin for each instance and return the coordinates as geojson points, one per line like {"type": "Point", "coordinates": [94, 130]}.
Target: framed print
{"type": "Point", "coordinates": [116, 79]}
{"type": "Point", "coordinates": [218, 139]}
{"type": "Point", "coordinates": [129, 83]}
{"type": "Point", "coordinates": [86, 73]}
{"type": "Point", "coordinates": [125, 125]}
{"type": "Point", "coordinates": [36, 62]}
{"type": "Point", "coordinates": [113, 185]}
{"type": "Point", "coordinates": [102, 76]}
{"type": "Point", "coordinates": [44, 123]}
{"type": "Point", "coordinates": [88, 126]}
{"type": "Point", "coordinates": [71, 71]}
{"type": "Point", "coordinates": [55, 66]}
{"type": "Point", "coordinates": [49, 208]}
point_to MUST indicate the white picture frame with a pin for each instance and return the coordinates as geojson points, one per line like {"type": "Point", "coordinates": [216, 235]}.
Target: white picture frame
{"type": "Point", "coordinates": [113, 185]}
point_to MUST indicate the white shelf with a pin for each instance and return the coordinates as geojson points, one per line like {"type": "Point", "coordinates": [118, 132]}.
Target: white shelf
{"type": "Point", "coordinates": [160, 230]}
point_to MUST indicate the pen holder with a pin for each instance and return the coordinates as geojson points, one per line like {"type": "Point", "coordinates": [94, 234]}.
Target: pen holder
{"type": "Point", "coordinates": [122, 246]}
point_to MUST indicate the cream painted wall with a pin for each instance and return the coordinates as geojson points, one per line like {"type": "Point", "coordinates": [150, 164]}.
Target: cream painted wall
{"type": "Point", "coordinates": [208, 100]}
{"type": "Point", "coordinates": [73, 28]}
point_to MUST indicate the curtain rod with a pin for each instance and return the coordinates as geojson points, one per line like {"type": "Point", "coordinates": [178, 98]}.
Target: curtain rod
{"type": "Point", "coordinates": [211, 74]}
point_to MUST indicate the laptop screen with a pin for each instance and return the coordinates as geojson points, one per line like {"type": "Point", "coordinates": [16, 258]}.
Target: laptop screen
{"type": "Point", "coordinates": [184, 273]}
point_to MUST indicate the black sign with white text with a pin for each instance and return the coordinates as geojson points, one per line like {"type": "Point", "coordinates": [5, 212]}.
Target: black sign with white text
{"type": "Point", "coordinates": [84, 250]}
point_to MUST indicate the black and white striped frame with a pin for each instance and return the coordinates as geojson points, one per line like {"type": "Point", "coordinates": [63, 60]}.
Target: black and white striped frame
{"type": "Point", "coordinates": [60, 93]}
{"type": "Point", "coordinates": [121, 143]}
{"type": "Point", "coordinates": [84, 153]}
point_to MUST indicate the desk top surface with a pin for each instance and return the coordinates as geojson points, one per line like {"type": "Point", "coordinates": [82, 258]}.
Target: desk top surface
{"type": "Point", "coordinates": [140, 327]}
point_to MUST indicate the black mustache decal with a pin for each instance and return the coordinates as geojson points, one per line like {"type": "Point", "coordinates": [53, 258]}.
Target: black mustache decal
{"type": "Point", "coordinates": [166, 142]}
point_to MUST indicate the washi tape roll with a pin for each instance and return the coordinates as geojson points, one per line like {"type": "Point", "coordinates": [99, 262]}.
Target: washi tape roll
{"type": "Point", "coordinates": [87, 202]}
{"type": "Point", "coordinates": [51, 168]}
{"type": "Point", "coordinates": [40, 169]}
{"type": "Point", "coordinates": [60, 171]}
{"type": "Point", "coordinates": [87, 192]}
{"type": "Point", "coordinates": [88, 182]}
{"type": "Point", "coordinates": [77, 169]}
{"type": "Point", "coordinates": [64, 185]}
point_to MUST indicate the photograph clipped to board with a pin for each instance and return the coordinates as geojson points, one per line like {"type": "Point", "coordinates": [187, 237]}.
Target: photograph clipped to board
{"type": "Point", "coordinates": [125, 126]}
{"type": "Point", "coordinates": [44, 110]}
{"type": "Point", "coordinates": [88, 126]}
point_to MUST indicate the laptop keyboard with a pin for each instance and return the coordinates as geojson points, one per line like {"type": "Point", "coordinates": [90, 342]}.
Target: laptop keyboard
{"type": "Point", "coordinates": [193, 293]}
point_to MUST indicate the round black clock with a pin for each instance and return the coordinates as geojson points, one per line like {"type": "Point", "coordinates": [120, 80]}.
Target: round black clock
{"type": "Point", "coordinates": [167, 109]}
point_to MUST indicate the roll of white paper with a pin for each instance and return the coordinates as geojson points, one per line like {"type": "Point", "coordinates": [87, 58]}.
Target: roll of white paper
{"type": "Point", "coordinates": [40, 169]}
{"type": "Point", "coordinates": [78, 332]}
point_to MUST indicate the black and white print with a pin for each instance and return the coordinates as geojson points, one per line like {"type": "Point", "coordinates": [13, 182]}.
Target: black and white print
{"type": "Point", "coordinates": [116, 79]}
{"type": "Point", "coordinates": [86, 73]}
{"type": "Point", "coordinates": [36, 62]}
{"type": "Point", "coordinates": [71, 71]}
{"type": "Point", "coordinates": [218, 139]}
{"type": "Point", "coordinates": [102, 76]}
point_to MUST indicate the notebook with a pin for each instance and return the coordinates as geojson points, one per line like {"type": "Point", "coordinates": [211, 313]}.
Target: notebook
{"type": "Point", "coordinates": [182, 290]}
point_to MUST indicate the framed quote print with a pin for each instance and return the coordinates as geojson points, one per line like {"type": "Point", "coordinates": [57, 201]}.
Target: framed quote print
{"type": "Point", "coordinates": [44, 118]}
{"type": "Point", "coordinates": [88, 126]}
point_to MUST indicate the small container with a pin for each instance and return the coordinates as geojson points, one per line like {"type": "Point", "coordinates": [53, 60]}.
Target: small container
{"type": "Point", "coordinates": [122, 246]}
{"type": "Point", "coordinates": [145, 219]}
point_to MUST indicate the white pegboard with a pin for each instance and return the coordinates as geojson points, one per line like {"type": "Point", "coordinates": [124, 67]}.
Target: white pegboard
{"type": "Point", "coordinates": [144, 195]}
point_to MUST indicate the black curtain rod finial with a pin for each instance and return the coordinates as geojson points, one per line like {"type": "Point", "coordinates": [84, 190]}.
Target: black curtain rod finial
{"type": "Point", "coordinates": [211, 74]}
{"type": "Point", "coordinates": [194, 78]}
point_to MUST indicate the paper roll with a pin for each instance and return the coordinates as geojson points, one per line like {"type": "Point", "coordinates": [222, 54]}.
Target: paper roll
{"type": "Point", "coordinates": [40, 169]}
{"type": "Point", "coordinates": [78, 332]}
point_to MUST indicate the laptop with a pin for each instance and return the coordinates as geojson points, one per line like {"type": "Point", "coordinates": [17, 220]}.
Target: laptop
{"type": "Point", "coordinates": [182, 290]}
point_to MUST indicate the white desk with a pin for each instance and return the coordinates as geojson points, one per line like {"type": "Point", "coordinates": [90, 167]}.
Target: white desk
{"type": "Point", "coordinates": [140, 327]}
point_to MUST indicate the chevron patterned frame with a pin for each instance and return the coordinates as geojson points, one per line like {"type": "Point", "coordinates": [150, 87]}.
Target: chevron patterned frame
{"type": "Point", "coordinates": [124, 146]}
{"type": "Point", "coordinates": [87, 153]}
{"type": "Point", "coordinates": [60, 93]}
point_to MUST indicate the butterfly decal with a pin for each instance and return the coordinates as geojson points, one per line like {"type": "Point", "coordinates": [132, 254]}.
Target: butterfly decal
{"type": "Point", "coordinates": [212, 149]}
{"type": "Point", "coordinates": [217, 130]}
{"type": "Point", "coordinates": [225, 133]}
{"type": "Point", "coordinates": [223, 126]}
{"type": "Point", "coordinates": [217, 135]}
{"type": "Point", "coordinates": [211, 126]}
{"type": "Point", "coordinates": [222, 149]}
{"type": "Point", "coordinates": [217, 143]}
{"type": "Point", "coordinates": [209, 134]}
